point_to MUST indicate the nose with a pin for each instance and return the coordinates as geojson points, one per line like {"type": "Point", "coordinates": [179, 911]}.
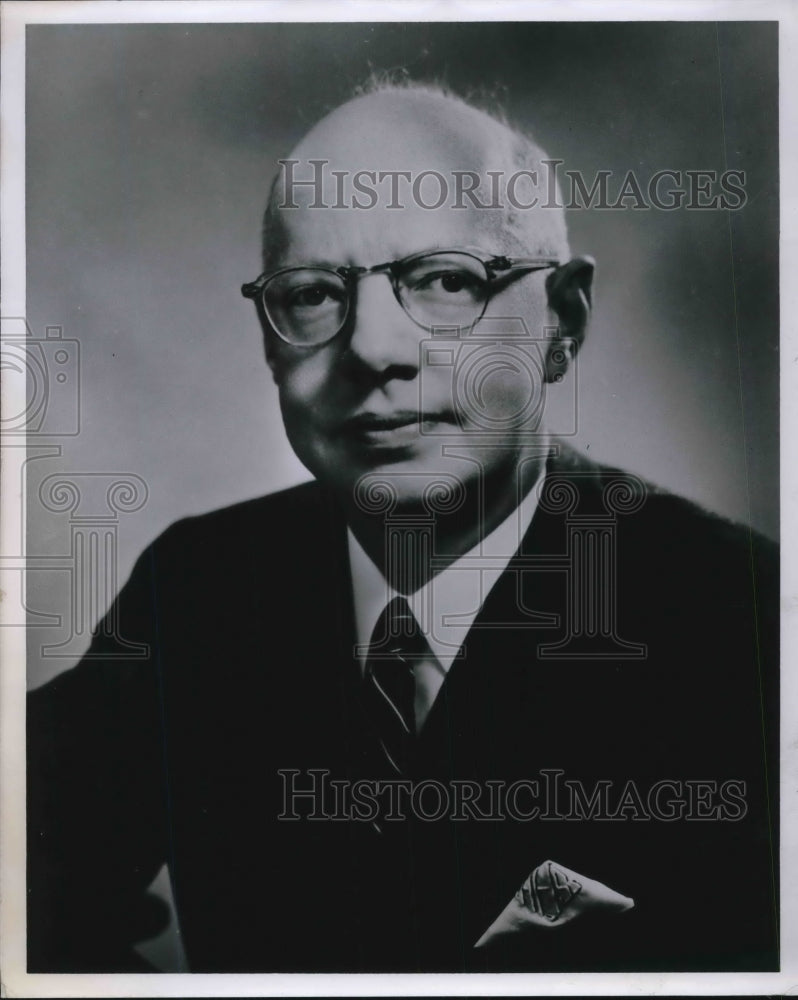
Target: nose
{"type": "Point", "coordinates": [383, 337]}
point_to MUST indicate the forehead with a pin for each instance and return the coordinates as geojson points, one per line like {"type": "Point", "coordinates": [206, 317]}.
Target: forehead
{"type": "Point", "coordinates": [377, 235]}
{"type": "Point", "coordinates": [380, 166]}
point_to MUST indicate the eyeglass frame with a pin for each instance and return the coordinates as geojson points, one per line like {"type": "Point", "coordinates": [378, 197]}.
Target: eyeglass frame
{"type": "Point", "coordinates": [496, 266]}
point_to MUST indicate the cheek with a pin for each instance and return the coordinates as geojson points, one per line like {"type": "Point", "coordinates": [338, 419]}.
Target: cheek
{"type": "Point", "coordinates": [506, 380]}
{"type": "Point", "coordinates": [522, 312]}
{"type": "Point", "coordinates": [511, 383]}
{"type": "Point", "coordinates": [301, 379]}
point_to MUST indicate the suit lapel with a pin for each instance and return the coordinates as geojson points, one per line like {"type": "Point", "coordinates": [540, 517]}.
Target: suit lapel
{"type": "Point", "coordinates": [502, 712]}
{"type": "Point", "coordinates": [525, 608]}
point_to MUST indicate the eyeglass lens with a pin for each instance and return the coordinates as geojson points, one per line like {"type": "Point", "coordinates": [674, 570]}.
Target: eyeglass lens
{"type": "Point", "coordinates": [310, 305]}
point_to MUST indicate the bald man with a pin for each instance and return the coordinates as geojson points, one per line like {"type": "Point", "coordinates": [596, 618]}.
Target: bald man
{"type": "Point", "coordinates": [465, 702]}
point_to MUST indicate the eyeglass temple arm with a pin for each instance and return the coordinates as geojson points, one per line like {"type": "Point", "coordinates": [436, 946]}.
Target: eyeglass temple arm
{"type": "Point", "coordinates": [502, 263]}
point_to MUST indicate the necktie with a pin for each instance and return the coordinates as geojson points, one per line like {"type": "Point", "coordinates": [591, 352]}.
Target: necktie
{"type": "Point", "coordinates": [396, 643]}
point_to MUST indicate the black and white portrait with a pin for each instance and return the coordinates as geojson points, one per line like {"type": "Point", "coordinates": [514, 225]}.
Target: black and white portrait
{"type": "Point", "coordinates": [399, 447]}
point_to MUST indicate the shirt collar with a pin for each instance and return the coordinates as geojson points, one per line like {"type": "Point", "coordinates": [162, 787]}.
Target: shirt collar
{"type": "Point", "coordinates": [447, 605]}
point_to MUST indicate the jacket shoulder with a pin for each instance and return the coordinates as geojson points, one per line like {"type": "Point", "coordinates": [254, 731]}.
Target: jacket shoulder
{"type": "Point", "coordinates": [277, 519]}
{"type": "Point", "coordinates": [652, 505]}
{"type": "Point", "coordinates": [663, 533]}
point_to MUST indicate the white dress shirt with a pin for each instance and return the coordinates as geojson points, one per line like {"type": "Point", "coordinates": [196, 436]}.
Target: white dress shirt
{"type": "Point", "coordinates": [446, 606]}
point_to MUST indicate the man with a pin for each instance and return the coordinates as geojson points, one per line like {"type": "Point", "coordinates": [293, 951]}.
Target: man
{"type": "Point", "coordinates": [467, 702]}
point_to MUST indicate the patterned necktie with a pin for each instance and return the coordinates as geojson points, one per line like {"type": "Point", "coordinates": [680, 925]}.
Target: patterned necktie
{"type": "Point", "coordinates": [396, 643]}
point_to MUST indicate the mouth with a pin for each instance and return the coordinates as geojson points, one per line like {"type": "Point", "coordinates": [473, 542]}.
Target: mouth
{"type": "Point", "coordinates": [394, 429]}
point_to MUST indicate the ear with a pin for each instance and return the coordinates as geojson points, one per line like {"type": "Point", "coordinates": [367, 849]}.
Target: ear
{"type": "Point", "coordinates": [570, 292]}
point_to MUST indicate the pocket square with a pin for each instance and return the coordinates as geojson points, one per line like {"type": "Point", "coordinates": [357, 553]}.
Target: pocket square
{"type": "Point", "coordinates": [553, 896]}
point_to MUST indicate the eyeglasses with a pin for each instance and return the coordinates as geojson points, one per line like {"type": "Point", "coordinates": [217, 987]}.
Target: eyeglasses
{"type": "Point", "coordinates": [308, 306]}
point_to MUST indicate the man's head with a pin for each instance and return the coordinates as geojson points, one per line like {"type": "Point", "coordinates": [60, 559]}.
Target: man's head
{"type": "Point", "coordinates": [398, 390]}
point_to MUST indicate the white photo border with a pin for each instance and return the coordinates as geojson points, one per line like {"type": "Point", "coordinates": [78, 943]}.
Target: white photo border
{"type": "Point", "coordinates": [15, 980]}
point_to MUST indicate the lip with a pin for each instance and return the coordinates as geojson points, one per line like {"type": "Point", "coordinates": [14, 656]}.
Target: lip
{"type": "Point", "coordinates": [367, 422]}
{"type": "Point", "coordinates": [397, 427]}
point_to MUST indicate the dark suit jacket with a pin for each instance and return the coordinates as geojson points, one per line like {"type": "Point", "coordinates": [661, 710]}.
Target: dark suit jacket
{"type": "Point", "coordinates": [247, 613]}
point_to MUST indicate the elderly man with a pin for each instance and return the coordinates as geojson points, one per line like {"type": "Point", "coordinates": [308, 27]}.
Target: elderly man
{"type": "Point", "coordinates": [467, 701]}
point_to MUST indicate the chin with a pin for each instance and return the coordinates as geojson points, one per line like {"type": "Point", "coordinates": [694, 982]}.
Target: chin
{"type": "Point", "coordinates": [427, 485]}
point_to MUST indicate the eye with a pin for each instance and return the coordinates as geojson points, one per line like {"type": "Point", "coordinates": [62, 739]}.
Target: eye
{"type": "Point", "coordinates": [452, 282]}
{"type": "Point", "coordinates": [308, 295]}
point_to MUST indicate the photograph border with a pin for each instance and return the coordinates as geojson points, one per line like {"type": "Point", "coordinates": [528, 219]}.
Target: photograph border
{"type": "Point", "coordinates": [15, 980]}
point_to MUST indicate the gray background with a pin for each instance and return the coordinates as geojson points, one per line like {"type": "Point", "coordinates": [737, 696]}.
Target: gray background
{"type": "Point", "coordinates": [149, 153]}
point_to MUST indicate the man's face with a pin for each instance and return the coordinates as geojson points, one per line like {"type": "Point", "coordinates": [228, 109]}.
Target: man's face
{"type": "Point", "coordinates": [385, 395]}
